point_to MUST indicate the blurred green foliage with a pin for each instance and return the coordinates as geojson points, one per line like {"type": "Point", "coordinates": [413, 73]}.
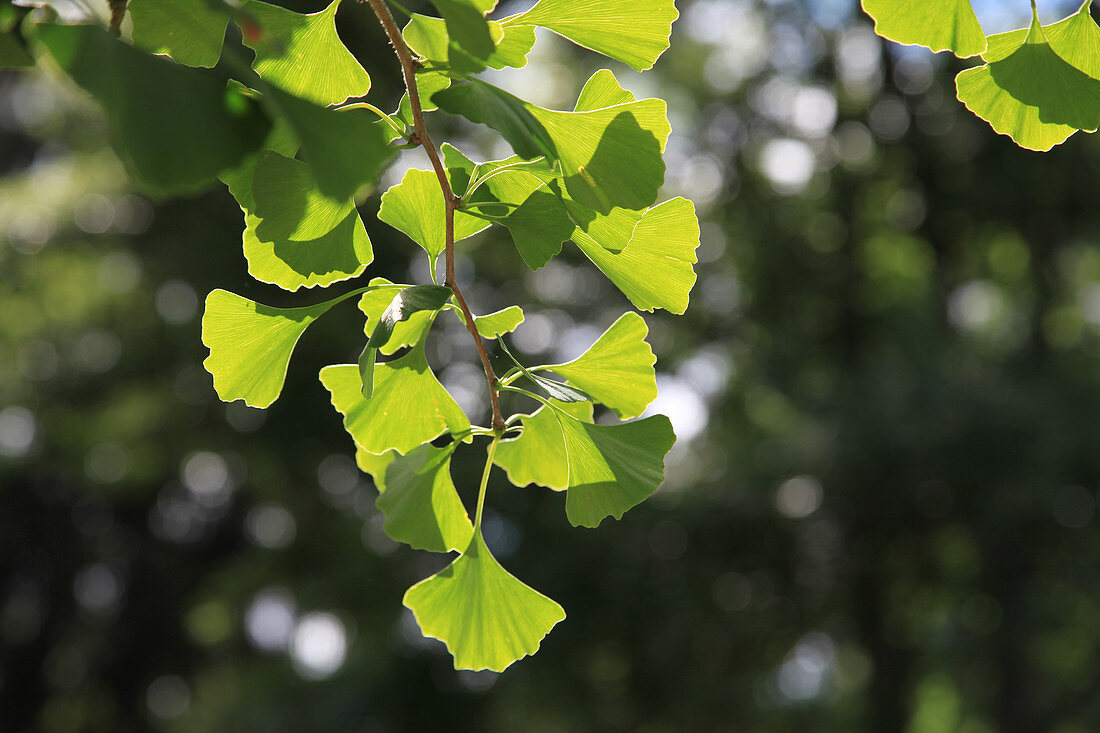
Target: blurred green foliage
{"type": "Point", "coordinates": [881, 516]}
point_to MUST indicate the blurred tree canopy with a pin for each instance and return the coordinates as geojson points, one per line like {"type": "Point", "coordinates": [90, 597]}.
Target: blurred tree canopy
{"type": "Point", "coordinates": [881, 515]}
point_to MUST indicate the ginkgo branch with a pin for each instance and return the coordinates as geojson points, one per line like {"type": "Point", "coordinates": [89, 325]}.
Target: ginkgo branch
{"type": "Point", "coordinates": [408, 69]}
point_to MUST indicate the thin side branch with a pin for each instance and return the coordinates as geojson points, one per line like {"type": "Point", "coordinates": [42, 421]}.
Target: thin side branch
{"type": "Point", "coordinates": [408, 69]}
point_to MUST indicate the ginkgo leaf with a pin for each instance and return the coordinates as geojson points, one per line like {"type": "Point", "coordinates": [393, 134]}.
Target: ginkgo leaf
{"type": "Point", "coordinates": [1075, 39]}
{"type": "Point", "coordinates": [613, 468]}
{"type": "Point", "coordinates": [420, 503]}
{"type": "Point", "coordinates": [374, 303]}
{"type": "Point", "coordinates": [251, 344]}
{"type": "Point", "coordinates": [602, 90]}
{"type": "Point", "coordinates": [280, 139]}
{"type": "Point", "coordinates": [416, 207]}
{"type": "Point", "coordinates": [303, 54]}
{"type": "Point", "coordinates": [409, 407]}
{"type": "Point", "coordinates": [190, 31]}
{"type": "Point", "coordinates": [535, 218]}
{"type": "Point", "coordinates": [656, 269]}
{"type": "Point", "coordinates": [429, 39]}
{"type": "Point", "coordinates": [341, 254]}
{"type": "Point", "coordinates": [605, 469]}
{"type": "Point", "coordinates": [617, 370]}
{"type": "Point", "coordinates": [188, 127]}
{"type": "Point", "coordinates": [1032, 95]}
{"type": "Point", "coordinates": [556, 390]}
{"type": "Point", "coordinates": [427, 84]}
{"type": "Point", "coordinates": [537, 455]}
{"type": "Point", "coordinates": [407, 302]}
{"type": "Point", "coordinates": [502, 321]}
{"type": "Point", "coordinates": [487, 618]}
{"type": "Point", "coordinates": [288, 202]}
{"type": "Point", "coordinates": [375, 464]}
{"type": "Point", "coordinates": [941, 25]}
{"type": "Point", "coordinates": [345, 148]}
{"type": "Point", "coordinates": [466, 26]}
{"type": "Point", "coordinates": [609, 157]}
{"type": "Point", "coordinates": [635, 33]}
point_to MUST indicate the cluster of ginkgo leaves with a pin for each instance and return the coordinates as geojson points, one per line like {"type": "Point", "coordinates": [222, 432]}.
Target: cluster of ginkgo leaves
{"type": "Point", "coordinates": [271, 102]}
{"type": "Point", "coordinates": [1038, 85]}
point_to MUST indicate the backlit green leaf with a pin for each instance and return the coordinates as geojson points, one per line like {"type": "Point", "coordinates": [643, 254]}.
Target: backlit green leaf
{"type": "Point", "coordinates": [190, 31]}
{"type": "Point", "coordinates": [376, 301]}
{"type": "Point", "coordinates": [345, 149]}
{"type": "Point", "coordinates": [176, 127]}
{"type": "Point", "coordinates": [1075, 39]}
{"type": "Point", "coordinates": [613, 468]}
{"type": "Point", "coordinates": [416, 207]}
{"type": "Point", "coordinates": [280, 139]}
{"type": "Point", "coordinates": [556, 390]}
{"type": "Point", "coordinates": [537, 456]}
{"type": "Point", "coordinates": [341, 254]}
{"type": "Point", "coordinates": [250, 345]}
{"type": "Point", "coordinates": [303, 54]}
{"type": "Point", "coordinates": [409, 406]}
{"type": "Point", "coordinates": [1032, 95]}
{"type": "Point", "coordinates": [466, 26]}
{"type": "Point", "coordinates": [487, 618]}
{"type": "Point", "coordinates": [633, 32]}
{"type": "Point", "coordinates": [536, 220]}
{"type": "Point", "coordinates": [609, 157]}
{"type": "Point", "coordinates": [655, 270]}
{"type": "Point", "coordinates": [941, 25]}
{"type": "Point", "coordinates": [375, 465]}
{"type": "Point", "coordinates": [288, 202]}
{"type": "Point", "coordinates": [416, 299]}
{"type": "Point", "coordinates": [500, 322]}
{"type": "Point", "coordinates": [618, 369]}
{"type": "Point", "coordinates": [602, 90]}
{"type": "Point", "coordinates": [429, 39]}
{"type": "Point", "coordinates": [420, 503]}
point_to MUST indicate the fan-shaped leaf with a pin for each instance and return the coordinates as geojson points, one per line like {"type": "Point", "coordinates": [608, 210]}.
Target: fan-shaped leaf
{"type": "Point", "coordinates": [420, 503]}
{"type": "Point", "coordinates": [250, 344]}
{"type": "Point", "coordinates": [487, 618]}
{"type": "Point", "coordinates": [303, 54]}
{"type": "Point", "coordinates": [635, 33]}
{"type": "Point", "coordinates": [655, 270]}
{"type": "Point", "coordinates": [409, 406]}
{"type": "Point", "coordinates": [429, 38]}
{"type": "Point", "coordinates": [1075, 39]}
{"type": "Point", "coordinates": [416, 207]}
{"type": "Point", "coordinates": [941, 25]}
{"type": "Point", "coordinates": [617, 370]}
{"type": "Point", "coordinates": [537, 456]}
{"type": "Point", "coordinates": [190, 31]}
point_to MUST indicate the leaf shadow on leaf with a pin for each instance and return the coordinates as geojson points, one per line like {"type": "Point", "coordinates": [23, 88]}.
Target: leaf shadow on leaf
{"type": "Point", "coordinates": [610, 170]}
{"type": "Point", "coordinates": [1036, 76]}
{"type": "Point", "coordinates": [339, 247]}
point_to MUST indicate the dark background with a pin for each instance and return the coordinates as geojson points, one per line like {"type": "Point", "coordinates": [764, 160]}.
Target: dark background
{"type": "Point", "coordinates": [881, 518]}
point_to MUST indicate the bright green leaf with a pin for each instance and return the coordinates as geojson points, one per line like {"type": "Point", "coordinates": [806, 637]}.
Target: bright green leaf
{"type": "Point", "coordinates": [374, 303]}
{"type": "Point", "coordinates": [538, 456]}
{"type": "Point", "coordinates": [537, 222]}
{"type": "Point", "coordinates": [427, 84]}
{"type": "Point", "coordinates": [340, 255]}
{"type": "Point", "coordinates": [190, 31]}
{"type": "Point", "coordinates": [613, 468]}
{"type": "Point", "coordinates": [416, 299]}
{"type": "Point", "coordinates": [500, 322]}
{"type": "Point", "coordinates": [633, 32]}
{"type": "Point", "coordinates": [176, 127]}
{"type": "Point", "coordinates": [487, 618]}
{"type": "Point", "coordinates": [1075, 39]}
{"type": "Point", "coordinates": [280, 139]}
{"type": "Point", "coordinates": [466, 26]}
{"type": "Point", "coordinates": [1032, 95]}
{"type": "Point", "coordinates": [345, 149]}
{"type": "Point", "coordinates": [556, 390]}
{"type": "Point", "coordinates": [375, 465]}
{"type": "Point", "coordinates": [429, 39]}
{"type": "Point", "coordinates": [303, 54]}
{"type": "Point", "coordinates": [941, 25]}
{"type": "Point", "coordinates": [602, 90]}
{"type": "Point", "coordinates": [251, 344]}
{"type": "Point", "coordinates": [416, 207]}
{"type": "Point", "coordinates": [655, 270]}
{"type": "Point", "coordinates": [618, 369]}
{"type": "Point", "coordinates": [289, 203]}
{"type": "Point", "coordinates": [609, 157]}
{"type": "Point", "coordinates": [420, 503]}
{"type": "Point", "coordinates": [409, 406]}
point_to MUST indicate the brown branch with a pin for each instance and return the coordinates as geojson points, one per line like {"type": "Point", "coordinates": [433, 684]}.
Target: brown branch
{"type": "Point", "coordinates": [408, 69]}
